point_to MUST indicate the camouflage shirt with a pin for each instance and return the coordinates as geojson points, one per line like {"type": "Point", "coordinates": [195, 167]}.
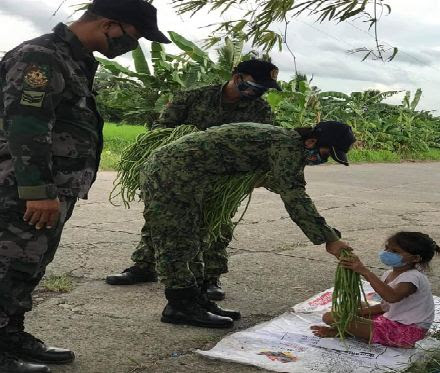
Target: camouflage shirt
{"type": "Point", "coordinates": [192, 164]}
{"type": "Point", "coordinates": [50, 130]}
{"type": "Point", "coordinates": [203, 108]}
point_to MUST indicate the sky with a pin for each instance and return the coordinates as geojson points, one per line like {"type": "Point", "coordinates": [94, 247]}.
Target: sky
{"type": "Point", "coordinates": [320, 48]}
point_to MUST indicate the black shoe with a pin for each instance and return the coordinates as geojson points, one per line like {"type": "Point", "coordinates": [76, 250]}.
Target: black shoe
{"type": "Point", "coordinates": [214, 290]}
{"type": "Point", "coordinates": [25, 346]}
{"type": "Point", "coordinates": [132, 275]}
{"type": "Point", "coordinates": [9, 364]}
{"type": "Point", "coordinates": [183, 308]}
{"type": "Point", "coordinates": [215, 309]}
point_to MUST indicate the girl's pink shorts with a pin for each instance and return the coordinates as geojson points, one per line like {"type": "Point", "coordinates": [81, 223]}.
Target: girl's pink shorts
{"type": "Point", "coordinates": [392, 333]}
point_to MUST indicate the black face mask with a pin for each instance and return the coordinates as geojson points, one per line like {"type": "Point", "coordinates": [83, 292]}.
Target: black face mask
{"type": "Point", "coordinates": [250, 91]}
{"type": "Point", "coordinates": [120, 45]}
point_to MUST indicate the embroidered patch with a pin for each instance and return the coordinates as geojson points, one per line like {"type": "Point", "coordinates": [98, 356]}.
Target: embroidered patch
{"type": "Point", "coordinates": [36, 77]}
{"type": "Point", "coordinates": [274, 74]}
{"type": "Point", "coordinates": [32, 98]}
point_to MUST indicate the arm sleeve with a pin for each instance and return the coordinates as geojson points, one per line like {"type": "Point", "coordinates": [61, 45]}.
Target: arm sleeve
{"type": "Point", "coordinates": [175, 112]}
{"type": "Point", "coordinates": [32, 89]}
{"type": "Point", "coordinates": [412, 277]}
{"type": "Point", "coordinates": [287, 179]}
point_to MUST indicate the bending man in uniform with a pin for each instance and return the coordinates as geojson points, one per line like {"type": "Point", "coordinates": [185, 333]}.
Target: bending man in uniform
{"type": "Point", "coordinates": [50, 146]}
{"type": "Point", "coordinates": [236, 101]}
{"type": "Point", "coordinates": [181, 175]}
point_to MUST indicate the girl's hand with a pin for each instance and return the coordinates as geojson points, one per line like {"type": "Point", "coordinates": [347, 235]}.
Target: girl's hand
{"type": "Point", "coordinates": [353, 263]}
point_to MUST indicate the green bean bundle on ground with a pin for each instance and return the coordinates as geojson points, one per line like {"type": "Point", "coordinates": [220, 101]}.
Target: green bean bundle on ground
{"type": "Point", "coordinates": [135, 155]}
{"type": "Point", "coordinates": [347, 297]}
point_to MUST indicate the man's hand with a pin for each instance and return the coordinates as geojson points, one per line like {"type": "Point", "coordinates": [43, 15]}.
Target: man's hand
{"type": "Point", "coordinates": [44, 213]}
{"type": "Point", "coordinates": [336, 247]}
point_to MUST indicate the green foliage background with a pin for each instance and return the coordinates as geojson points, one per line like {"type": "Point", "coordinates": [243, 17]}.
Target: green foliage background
{"type": "Point", "coordinates": [138, 96]}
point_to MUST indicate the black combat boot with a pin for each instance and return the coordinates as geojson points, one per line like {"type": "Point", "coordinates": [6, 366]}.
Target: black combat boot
{"type": "Point", "coordinates": [214, 290]}
{"type": "Point", "coordinates": [132, 275]}
{"type": "Point", "coordinates": [10, 364]}
{"type": "Point", "coordinates": [184, 308]}
{"type": "Point", "coordinates": [14, 340]}
{"type": "Point", "coordinates": [215, 309]}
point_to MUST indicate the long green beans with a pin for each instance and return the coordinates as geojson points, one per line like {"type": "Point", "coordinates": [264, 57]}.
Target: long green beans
{"type": "Point", "coordinates": [347, 297]}
{"type": "Point", "coordinates": [229, 193]}
{"type": "Point", "coordinates": [135, 155]}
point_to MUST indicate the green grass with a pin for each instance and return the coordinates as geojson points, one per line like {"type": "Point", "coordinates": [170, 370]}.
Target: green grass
{"type": "Point", "coordinates": [117, 137]}
{"type": "Point", "coordinates": [58, 284]}
{"type": "Point", "coordinates": [376, 156]}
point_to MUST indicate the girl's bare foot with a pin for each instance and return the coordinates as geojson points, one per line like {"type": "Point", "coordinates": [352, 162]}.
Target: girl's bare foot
{"type": "Point", "coordinates": [324, 331]}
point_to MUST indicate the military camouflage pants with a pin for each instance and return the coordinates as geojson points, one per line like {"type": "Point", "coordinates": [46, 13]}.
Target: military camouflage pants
{"type": "Point", "coordinates": [215, 256]}
{"type": "Point", "coordinates": [24, 253]}
{"type": "Point", "coordinates": [175, 225]}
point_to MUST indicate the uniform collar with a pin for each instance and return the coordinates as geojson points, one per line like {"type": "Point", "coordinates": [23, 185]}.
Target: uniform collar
{"type": "Point", "coordinates": [79, 51]}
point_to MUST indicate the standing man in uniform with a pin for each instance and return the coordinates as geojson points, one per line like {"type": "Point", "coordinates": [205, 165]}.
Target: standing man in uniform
{"type": "Point", "coordinates": [181, 177]}
{"type": "Point", "coordinates": [50, 146]}
{"type": "Point", "coordinates": [239, 100]}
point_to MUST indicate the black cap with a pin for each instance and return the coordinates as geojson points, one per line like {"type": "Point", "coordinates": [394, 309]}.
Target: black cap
{"type": "Point", "coordinates": [138, 13]}
{"type": "Point", "coordinates": [263, 72]}
{"type": "Point", "coordinates": [338, 136]}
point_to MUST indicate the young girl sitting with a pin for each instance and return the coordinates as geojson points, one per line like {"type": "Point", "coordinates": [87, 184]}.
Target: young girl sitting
{"type": "Point", "coordinates": [407, 309]}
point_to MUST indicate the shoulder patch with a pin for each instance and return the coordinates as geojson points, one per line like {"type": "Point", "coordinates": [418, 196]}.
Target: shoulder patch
{"type": "Point", "coordinates": [32, 98]}
{"type": "Point", "coordinates": [36, 77]}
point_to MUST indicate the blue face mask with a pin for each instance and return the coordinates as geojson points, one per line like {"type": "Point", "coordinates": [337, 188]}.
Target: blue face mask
{"type": "Point", "coordinates": [316, 155]}
{"type": "Point", "coordinates": [391, 259]}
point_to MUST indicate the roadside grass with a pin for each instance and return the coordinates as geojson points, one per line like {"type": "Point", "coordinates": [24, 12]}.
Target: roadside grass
{"type": "Point", "coordinates": [58, 284]}
{"type": "Point", "coordinates": [387, 156]}
{"type": "Point", "coordinates": [117, 137]}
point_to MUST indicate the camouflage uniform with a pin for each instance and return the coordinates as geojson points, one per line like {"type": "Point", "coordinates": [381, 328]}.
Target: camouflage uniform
{"type": "Point", "coordinates": [180, 176]}
{"type": "Point", "coordinates": [50, 145]}
{"type": "Point", "coordinates": [203, 107]}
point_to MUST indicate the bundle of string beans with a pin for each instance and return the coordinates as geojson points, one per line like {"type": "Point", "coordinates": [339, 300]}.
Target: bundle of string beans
{"type": "Point", "coordinates": [135, 155]}
{"type": "Point", "coordinates": [347, 296]}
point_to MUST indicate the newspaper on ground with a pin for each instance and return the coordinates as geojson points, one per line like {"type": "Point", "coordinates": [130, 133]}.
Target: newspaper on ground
{"type": "Point", "coordinates": [286, 344]}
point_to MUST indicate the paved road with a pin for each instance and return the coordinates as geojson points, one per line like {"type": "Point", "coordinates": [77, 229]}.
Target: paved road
{"type": "Point", "coordinates": [273, 266]}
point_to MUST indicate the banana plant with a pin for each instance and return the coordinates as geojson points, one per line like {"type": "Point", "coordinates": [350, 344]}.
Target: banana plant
{"type": "Point", "coordinates": [168, 73]}
{"type": "Point", "coordinates": [297, 105]}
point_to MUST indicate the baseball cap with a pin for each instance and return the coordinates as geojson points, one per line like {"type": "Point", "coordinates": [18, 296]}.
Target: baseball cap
{"type": "Point", "coordinates": [138, 13]}
{"type": "Point", "coordinates": [264, 73]}
{"type": "Point", "coordinates": [338, 137]}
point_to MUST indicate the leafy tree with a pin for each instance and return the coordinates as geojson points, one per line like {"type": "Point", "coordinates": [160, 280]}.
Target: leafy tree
{"type": "Point", "coordinates": [259, 15]}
